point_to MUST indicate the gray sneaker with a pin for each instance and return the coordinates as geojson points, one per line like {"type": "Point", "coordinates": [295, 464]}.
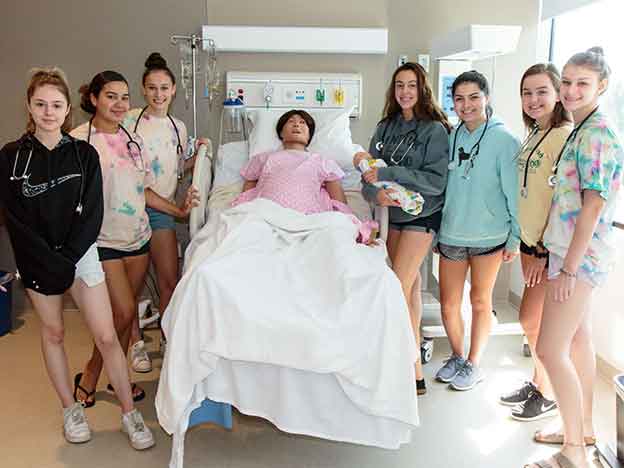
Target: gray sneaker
{"type": "Point", "coordinates": [450, 368]}
{"type": "Point", "coordinates": [140, 436]}
{"type": "Point", "coordinates": [467, 377]}
{"type": "Point", "coordinates": [75, 427]}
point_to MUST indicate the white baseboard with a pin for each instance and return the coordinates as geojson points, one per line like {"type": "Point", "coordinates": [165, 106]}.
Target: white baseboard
{"type": "Point", "coordinates": [605, 370]}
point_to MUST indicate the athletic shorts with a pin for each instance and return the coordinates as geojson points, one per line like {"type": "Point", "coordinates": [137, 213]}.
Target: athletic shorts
{"type": "Point", "coordinates": [458, 254]}
{"type": "Point", "coordinates": [114, 254]}
{"type": "Point", "coordinates": [429, 223]}
{"type": "Point", "coordinates": [89, 268]}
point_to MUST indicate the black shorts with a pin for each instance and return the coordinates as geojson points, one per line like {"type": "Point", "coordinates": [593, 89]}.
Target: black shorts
{"type": "Point", "coordinates": [113, 254]}
{"type": "Point", "coordinates": [532, 251]}
{"type": "Point", "coordinates": [429, 223]}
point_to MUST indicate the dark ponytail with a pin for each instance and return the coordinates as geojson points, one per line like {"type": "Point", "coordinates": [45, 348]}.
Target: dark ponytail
{"type": "Point", "coordinates": [95, 87]}
{"type": "Point", "coordinates": [156, 62]}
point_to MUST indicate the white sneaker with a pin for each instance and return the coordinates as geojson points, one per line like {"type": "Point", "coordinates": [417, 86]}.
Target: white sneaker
{"type": "Point", "coordinates": [75, 426]}
{"type": "Point", "coordinates": [140, 436]}
{"type": "Point", "coordinates": [139, 357]}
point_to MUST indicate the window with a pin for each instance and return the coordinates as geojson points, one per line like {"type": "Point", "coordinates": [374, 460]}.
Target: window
{"type": "Point", "coordinates": [589, 26]}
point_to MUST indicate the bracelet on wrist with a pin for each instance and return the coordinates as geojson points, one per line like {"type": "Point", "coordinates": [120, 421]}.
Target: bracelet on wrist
{"type": "Point", "coordinates": [567, 273]}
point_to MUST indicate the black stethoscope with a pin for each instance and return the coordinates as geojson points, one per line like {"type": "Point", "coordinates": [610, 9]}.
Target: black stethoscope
{"type": "Point", "coordinates": [552, 179]}
{"type": "Point", "coordinates": [134, 149]}
{"type": "Point", "coordinates": [470, 155]}
{"type": "Point", "coordinates": [179, 149]}
{"type": "Point", "coordinates": [524, 191]}
{"type": "Point", "coordinates": [25, 176]}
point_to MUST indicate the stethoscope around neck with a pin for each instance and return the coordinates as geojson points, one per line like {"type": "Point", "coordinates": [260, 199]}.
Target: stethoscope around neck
{"type": "Point", "coordinates": [25, 175]}
{"type": "Point", "coordinates": [524, 191]}
{"type": "Point", "coordinates": [134, 149]}
{"type": "Point", "coordinates": [380, 146]}
{"type": "Point", "coordinates": [470, 155]}
{"type": "Point", "coordinates": [552, 179]}
{"type": "Point", "coordinates": [179, 148]}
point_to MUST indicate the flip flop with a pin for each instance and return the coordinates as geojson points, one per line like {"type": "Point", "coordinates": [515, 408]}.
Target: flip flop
{"type": "Point", "coordinates": [557, 438]}
{"type": "Point", "coordinates": [558, 460]}
{"type": "Point", "coordinates": [86, 402]}
{"type": "Point", "coordinates": [135, 396]}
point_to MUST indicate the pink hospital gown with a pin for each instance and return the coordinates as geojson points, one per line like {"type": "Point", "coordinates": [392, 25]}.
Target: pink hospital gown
{"type": "Point", "coordinates": [294, 179]}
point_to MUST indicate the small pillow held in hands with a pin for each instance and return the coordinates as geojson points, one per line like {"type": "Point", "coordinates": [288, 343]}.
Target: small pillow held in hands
{"type": "Point", "coordinates": [411, 202]}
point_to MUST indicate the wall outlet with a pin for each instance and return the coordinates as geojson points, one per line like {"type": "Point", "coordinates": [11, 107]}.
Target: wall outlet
{"type": "Point", "coordinates": [402, 60]}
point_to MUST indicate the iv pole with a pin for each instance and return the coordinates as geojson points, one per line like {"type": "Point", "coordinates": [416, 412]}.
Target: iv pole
{"type": "Point", "coordinates": [194, 40]}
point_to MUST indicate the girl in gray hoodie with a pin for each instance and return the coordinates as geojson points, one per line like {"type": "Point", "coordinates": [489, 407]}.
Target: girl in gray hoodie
{"type": "Point", "coordinates": [412, 139]}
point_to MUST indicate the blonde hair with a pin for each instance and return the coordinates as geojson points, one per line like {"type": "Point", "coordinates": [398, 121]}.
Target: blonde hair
{"type": "Point", "coordinates": [52, 76]}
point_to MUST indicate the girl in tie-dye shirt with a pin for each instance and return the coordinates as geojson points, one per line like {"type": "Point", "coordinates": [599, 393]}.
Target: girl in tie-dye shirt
{"type": "Point", "coordinates": [123, 242]}
{"type": "Point", "coordinates": [165, 137]}
{"type": "Point", "coordinates": [581, 242]}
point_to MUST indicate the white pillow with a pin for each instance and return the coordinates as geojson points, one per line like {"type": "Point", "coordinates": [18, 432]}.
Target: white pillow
{"type": "Point", "coordinates": [230, 159]}
{"type": "Point", "coordinates": [332, 138]}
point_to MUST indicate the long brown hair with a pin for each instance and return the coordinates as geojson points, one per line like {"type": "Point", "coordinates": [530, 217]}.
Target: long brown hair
{"type": "Point", "coordinates": [426, 108]}
{"type": "Point", "coordinates": [53, 77]}
{"type": "Point", "coordinates": [559, 116]}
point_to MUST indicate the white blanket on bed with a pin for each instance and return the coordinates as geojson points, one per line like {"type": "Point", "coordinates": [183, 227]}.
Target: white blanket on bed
{"type": "Point", "coordinates": [266, 284]}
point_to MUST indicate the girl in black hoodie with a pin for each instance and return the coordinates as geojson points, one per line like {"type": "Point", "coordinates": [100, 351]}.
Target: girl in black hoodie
{"type": "Point", "coordinates": [51, 187]}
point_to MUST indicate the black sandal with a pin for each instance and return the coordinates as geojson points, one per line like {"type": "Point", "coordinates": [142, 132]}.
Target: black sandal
{"type": "Point", "coordinates": [421, 387]}
{"type": "Point", "coordinates": [135, 397]}
{"type": "Point", "coordinates": [85, 402]}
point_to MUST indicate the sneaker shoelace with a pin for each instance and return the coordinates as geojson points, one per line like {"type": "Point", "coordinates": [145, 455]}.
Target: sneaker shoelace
{"type": "Point", "coordinates": [453, 359]}
{"type": "Point", "coordinates": [137, 422]}
{"type": "Point", "coordinates": [534, 396]}
{"type": "Point", "coordinates": [465, 370]}
{"type": "Point", "coordinates": [77, 416]}
{"type": "Point", "coordinates": [527, 389]}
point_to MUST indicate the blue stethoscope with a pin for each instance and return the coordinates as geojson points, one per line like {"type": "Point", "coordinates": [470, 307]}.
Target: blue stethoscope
{"type": "Point", "coordinates": [134, 149]}
{"type": "Point", "coordinates": [179, 149]}
{"type": "Point", "coordinates": [25, 175]}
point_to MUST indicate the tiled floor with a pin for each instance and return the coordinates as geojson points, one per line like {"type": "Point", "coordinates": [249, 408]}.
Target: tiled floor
{"type": "Point", "coordinates": [458, 429]}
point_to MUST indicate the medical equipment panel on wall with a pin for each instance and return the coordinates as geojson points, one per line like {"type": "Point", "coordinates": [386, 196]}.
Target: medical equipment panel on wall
{"type": "Point", "coordinates": [298, 90]}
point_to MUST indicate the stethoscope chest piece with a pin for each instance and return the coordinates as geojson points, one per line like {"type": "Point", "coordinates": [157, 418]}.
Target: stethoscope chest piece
{"type": "Point", "coordinates": [552, 180]}
{"type": "Point", "coordinates": [524, 192]}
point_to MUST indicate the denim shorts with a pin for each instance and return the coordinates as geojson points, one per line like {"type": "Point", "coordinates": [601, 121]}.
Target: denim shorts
{"type": "Point", "coordinates": [89, 268]}
{"type": "Point", "coordinates": [459, 254]}
{"type": "Point", "coordinates": [555, 263]}
{"type": "Point", "coordinates": [159, 220]}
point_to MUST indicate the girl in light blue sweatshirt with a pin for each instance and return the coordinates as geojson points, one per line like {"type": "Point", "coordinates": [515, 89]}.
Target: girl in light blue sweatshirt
{"type": "Point", "coordinates": [479, 223]}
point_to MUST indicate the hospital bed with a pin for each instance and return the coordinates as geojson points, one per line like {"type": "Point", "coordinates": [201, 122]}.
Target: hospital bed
{"type": "Point", "coordinates": [320, 404]}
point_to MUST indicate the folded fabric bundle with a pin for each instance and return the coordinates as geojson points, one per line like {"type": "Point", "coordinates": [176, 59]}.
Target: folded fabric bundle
{"type": "Point", "coordinates": [411, 202]}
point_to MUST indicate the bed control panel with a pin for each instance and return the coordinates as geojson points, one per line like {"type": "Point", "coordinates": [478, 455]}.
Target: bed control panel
{"type": "Point", "coordinates": [298, 90]}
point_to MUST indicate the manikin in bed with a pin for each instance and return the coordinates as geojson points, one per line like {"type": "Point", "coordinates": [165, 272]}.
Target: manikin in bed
{"type": "Point", "coordinates": [282, 313]}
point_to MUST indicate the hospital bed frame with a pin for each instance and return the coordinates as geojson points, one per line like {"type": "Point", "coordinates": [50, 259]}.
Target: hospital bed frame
{"type": "Point", "coordinates": [221, 414]}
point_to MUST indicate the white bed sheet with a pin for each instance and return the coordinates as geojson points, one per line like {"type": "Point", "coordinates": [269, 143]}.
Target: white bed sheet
{"type": "Point", "coordinates": [333, 362]}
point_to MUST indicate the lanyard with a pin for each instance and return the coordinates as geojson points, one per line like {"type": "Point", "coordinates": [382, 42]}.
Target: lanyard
{"type": "Point", "coordinates": [552, 180]}
{"type": "Point", "coordinates": [524, 191]}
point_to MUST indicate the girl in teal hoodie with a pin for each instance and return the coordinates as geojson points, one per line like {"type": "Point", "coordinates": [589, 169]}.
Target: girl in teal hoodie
{"type": "Point", "coordinates": [479, 223]}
